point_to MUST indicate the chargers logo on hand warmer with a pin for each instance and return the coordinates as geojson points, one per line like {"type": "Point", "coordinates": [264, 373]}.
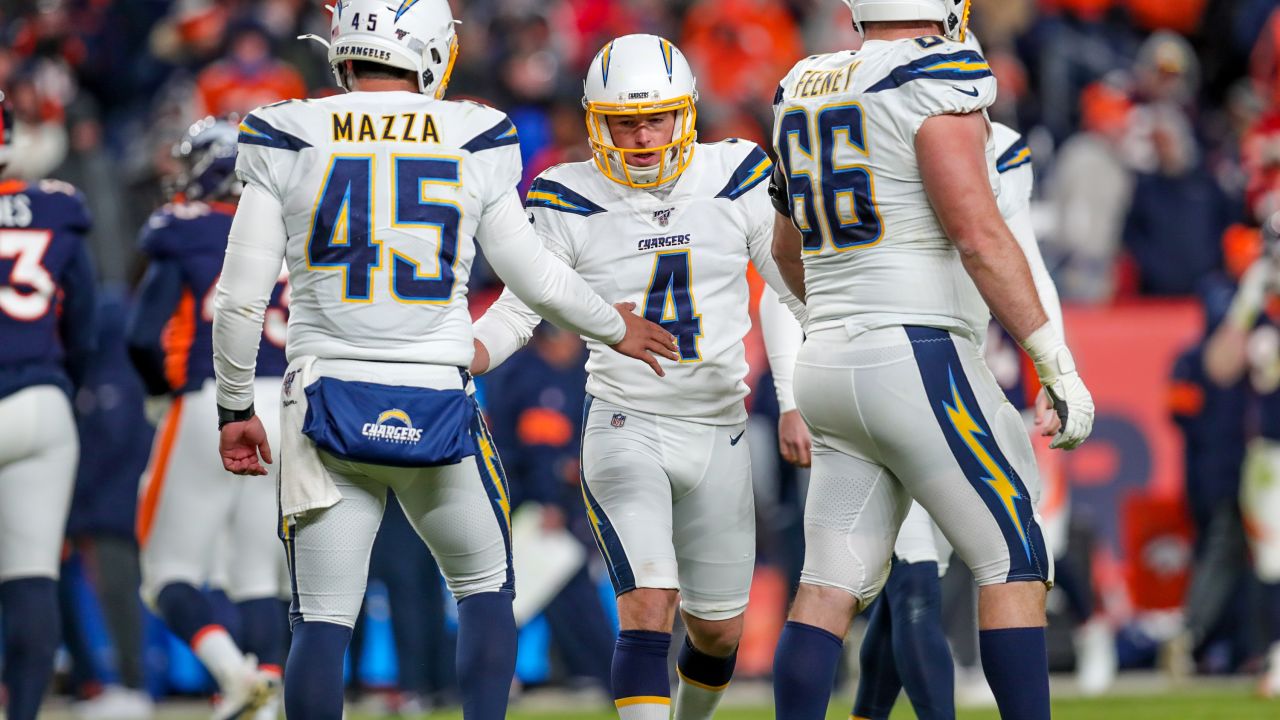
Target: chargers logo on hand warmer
{"type": "Point", "coordinates": [403, 432]}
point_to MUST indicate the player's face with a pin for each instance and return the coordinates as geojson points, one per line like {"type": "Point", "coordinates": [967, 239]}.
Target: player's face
{"type": "Point", "coordinates": [637, 132]}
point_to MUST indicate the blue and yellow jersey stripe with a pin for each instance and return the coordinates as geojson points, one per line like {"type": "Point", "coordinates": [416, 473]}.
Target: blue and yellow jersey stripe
{"type": "Point", "coordinates": [256, 131]}
{"type": "Point", "coordinates": [753, 171]}
{"type": "Point", "coordinates": [1017, 155]}
{"type": "Point", "coordinates": [552, 195]}
{"type": "Point", "coordinates": [963, 65]}
{"type": "Point", "coordinates": [500, 135]}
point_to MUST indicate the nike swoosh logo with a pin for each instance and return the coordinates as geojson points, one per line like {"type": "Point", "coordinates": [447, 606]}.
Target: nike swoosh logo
{"type": "Point", "coordinates": [734, 440]}
{"type": "Point", "coordinates": [971, 92]}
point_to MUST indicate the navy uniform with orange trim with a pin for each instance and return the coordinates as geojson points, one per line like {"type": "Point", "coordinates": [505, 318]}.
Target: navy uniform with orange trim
{"type": "Point", "coordinates": [891, 379]}
{"type": "Point", "coordinates": [187, 504]}
{"type": "Point", "coordinates": [46, 339]}
{"type": "Point", "coordinates": [666, 472]}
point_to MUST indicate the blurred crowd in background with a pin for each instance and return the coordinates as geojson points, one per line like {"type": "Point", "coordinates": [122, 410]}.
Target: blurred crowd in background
{"type": "Point", "coordinates": [1154, 127]}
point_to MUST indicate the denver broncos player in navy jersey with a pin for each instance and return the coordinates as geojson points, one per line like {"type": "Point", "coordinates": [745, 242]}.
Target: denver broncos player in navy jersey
{"type": "Point", "coordinates": [187, 502]}
{"type": "Point", "coordinates": [46, 337]}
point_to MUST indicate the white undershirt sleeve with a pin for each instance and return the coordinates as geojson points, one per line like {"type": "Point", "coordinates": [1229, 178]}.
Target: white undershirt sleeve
{"type": "Point", "coordinates": [1022, 229]}
{"type": "Point", "coordinates": [783, 337]}
{"type": "Point", "coordinates": [541, 280]}
{"type": "Point", "coordinates": [255, 252]}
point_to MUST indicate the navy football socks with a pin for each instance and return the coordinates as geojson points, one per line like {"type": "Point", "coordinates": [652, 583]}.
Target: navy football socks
{"type": "Point", "coordinates": [486, 654]}
{"type": "Point", "coordinates": [262, 628]}
{"type": "Point", "coordinates": [313, 685]}
{"type": "Point", "coordinates": [923, 658]}
{"type": "Point", "coordinates": [804, 671]}
{"type": "Point", "coordinates": [641, 686]}
{"type": "Point", "coordinates": [1016, 663]}
{"type": "Point", "coordinates": [185, 610]}
{"type": "Point", "coordinates": [878, 681]}
{"type": "Point", "coordinates": [29, 607]}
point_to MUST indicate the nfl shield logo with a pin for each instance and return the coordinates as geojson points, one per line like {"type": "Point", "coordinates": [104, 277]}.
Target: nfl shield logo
{"type": "Point", "coordinates": [663, 216]}
{"type": "Point", "coordinates": [618, 420]}
{"type": "Point", "coordinates": [288, 382]}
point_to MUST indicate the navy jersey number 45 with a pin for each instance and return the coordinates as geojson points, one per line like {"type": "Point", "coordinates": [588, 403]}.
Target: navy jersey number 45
{"type": "Point", "coordinates": [342, 236]}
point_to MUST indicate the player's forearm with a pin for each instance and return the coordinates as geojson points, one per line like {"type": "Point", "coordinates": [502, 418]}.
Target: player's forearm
{"type": "Point", "coordinates": [787, 243]}
{"type": "Point", "coordinates": [783, 337]}
{"type": "Point", "coordinates": [504, 328]}
{"type": "Point", "coordinates": [1224, 355]}
{"type": "Point", "coordinates": [541, 280]}
{"type": "Point", "coordinates": [255, 250]}
{"type": "Point", "coordinates": [1000, 271]}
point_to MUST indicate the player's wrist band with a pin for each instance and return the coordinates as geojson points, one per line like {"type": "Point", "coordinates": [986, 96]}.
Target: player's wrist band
{"type": "Point", "coordinates": [226, 415]}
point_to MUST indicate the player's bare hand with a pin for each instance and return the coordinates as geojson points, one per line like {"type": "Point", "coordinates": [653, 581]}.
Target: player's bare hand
{"type": "Point", "coordinates": [644, 339]}
{"type": "Point", "coordinates": [794, 441]}
{"type": "Point", "coordinates": [241, 444]}
{"type": "Point", "coordinates": [1047, 421]}
{"type": "Point", "coordinates": [480, 362]}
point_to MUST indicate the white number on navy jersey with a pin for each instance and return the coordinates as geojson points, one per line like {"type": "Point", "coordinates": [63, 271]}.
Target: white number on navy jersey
{"type": "Point", "coordinates": [27, 249]}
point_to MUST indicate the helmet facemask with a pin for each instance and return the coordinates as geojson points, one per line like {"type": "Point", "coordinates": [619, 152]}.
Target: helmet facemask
{"type": "Point", "coordinates": [673, 157]}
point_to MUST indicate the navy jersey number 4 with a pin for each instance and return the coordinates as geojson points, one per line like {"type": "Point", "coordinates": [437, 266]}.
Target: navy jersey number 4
{"type": "Point", "coordinates": [342, 228]}
{"type": "Point", "coordinates": [670, 302]}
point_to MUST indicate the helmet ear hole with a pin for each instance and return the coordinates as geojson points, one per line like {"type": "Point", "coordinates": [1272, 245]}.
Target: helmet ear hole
{"type": "Point", "coordinates": [435, 56]}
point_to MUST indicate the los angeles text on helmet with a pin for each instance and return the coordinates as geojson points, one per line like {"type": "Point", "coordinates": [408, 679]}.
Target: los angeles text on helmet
{"type": "Point", "coordinates": [365, 51]}
{"type": "Point", "coordinates": [406, 127]}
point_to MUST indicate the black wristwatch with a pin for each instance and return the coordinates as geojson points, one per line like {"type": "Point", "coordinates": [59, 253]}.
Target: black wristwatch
{"type": "Point", "coordinates": [229, 416]}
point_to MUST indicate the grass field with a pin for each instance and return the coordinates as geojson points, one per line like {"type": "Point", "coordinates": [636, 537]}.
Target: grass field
{"type": "Point", "coordinates": [1193, 705]}
{"type": "Point", "coordinates": [1201, 701]}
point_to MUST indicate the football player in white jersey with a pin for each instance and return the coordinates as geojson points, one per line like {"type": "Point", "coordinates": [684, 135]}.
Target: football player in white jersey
{"type": "Point", "coordinates": [905, 646]}
{"type": "Point", "coordinates": [668, 223]}
{"type": "Point", "coordinates": [887, 172]}
{"type": "Point", "coordinates": [375, 199]}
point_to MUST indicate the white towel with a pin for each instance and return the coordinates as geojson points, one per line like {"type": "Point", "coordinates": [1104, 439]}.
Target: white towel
{"type": "Point", "coordinates": [305, 484]}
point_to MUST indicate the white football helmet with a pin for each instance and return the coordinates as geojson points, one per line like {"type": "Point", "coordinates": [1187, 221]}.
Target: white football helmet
{"type": "Point", "coordinates": [641, 75]}
{"type": "Point", "coordinates": [953, 14]}
{"type": "Point", "coordinates": [415, 35]}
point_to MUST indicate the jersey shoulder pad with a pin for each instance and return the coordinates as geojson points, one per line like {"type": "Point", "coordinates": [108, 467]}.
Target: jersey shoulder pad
{"type": "Point", "coordinates": [559, 188]}
{"type": "Point", "coordinates": [939, 75]}
{"type": "Point", "coordinates": [497, 129]}
{"type": "Point", "coordinates": [1011, 148]}
{"type": "Point", "coordinates": [59, 204]}
{"type": "Point", "coordinates": [746, 164]}
{"type": "Point", "coordinates": [280, 126]}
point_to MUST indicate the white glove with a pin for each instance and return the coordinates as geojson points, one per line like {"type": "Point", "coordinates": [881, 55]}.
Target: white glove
{"type": "Point", "coordinates": [1071, 399]}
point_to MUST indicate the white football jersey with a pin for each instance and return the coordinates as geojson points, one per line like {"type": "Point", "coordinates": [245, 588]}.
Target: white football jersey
{"type": "Point", "coordinates": [875, 254]}
{"type": "Point", "coordinates": [681, 256]}
{"type": "Point", "coordinates": [382, 195]}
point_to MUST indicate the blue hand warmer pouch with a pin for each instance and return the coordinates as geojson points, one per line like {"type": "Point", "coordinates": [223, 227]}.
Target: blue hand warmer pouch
{"type": "Point", "coordinates": [392, 425]}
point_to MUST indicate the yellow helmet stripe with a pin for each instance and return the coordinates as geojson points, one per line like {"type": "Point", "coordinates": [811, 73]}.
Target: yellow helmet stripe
{"type": "Point", "coordinates": [404, 8]}
{"type": "Point", "coordinates": [605, 57]}
{"type": "Point", "coordinates": [667, 59]}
